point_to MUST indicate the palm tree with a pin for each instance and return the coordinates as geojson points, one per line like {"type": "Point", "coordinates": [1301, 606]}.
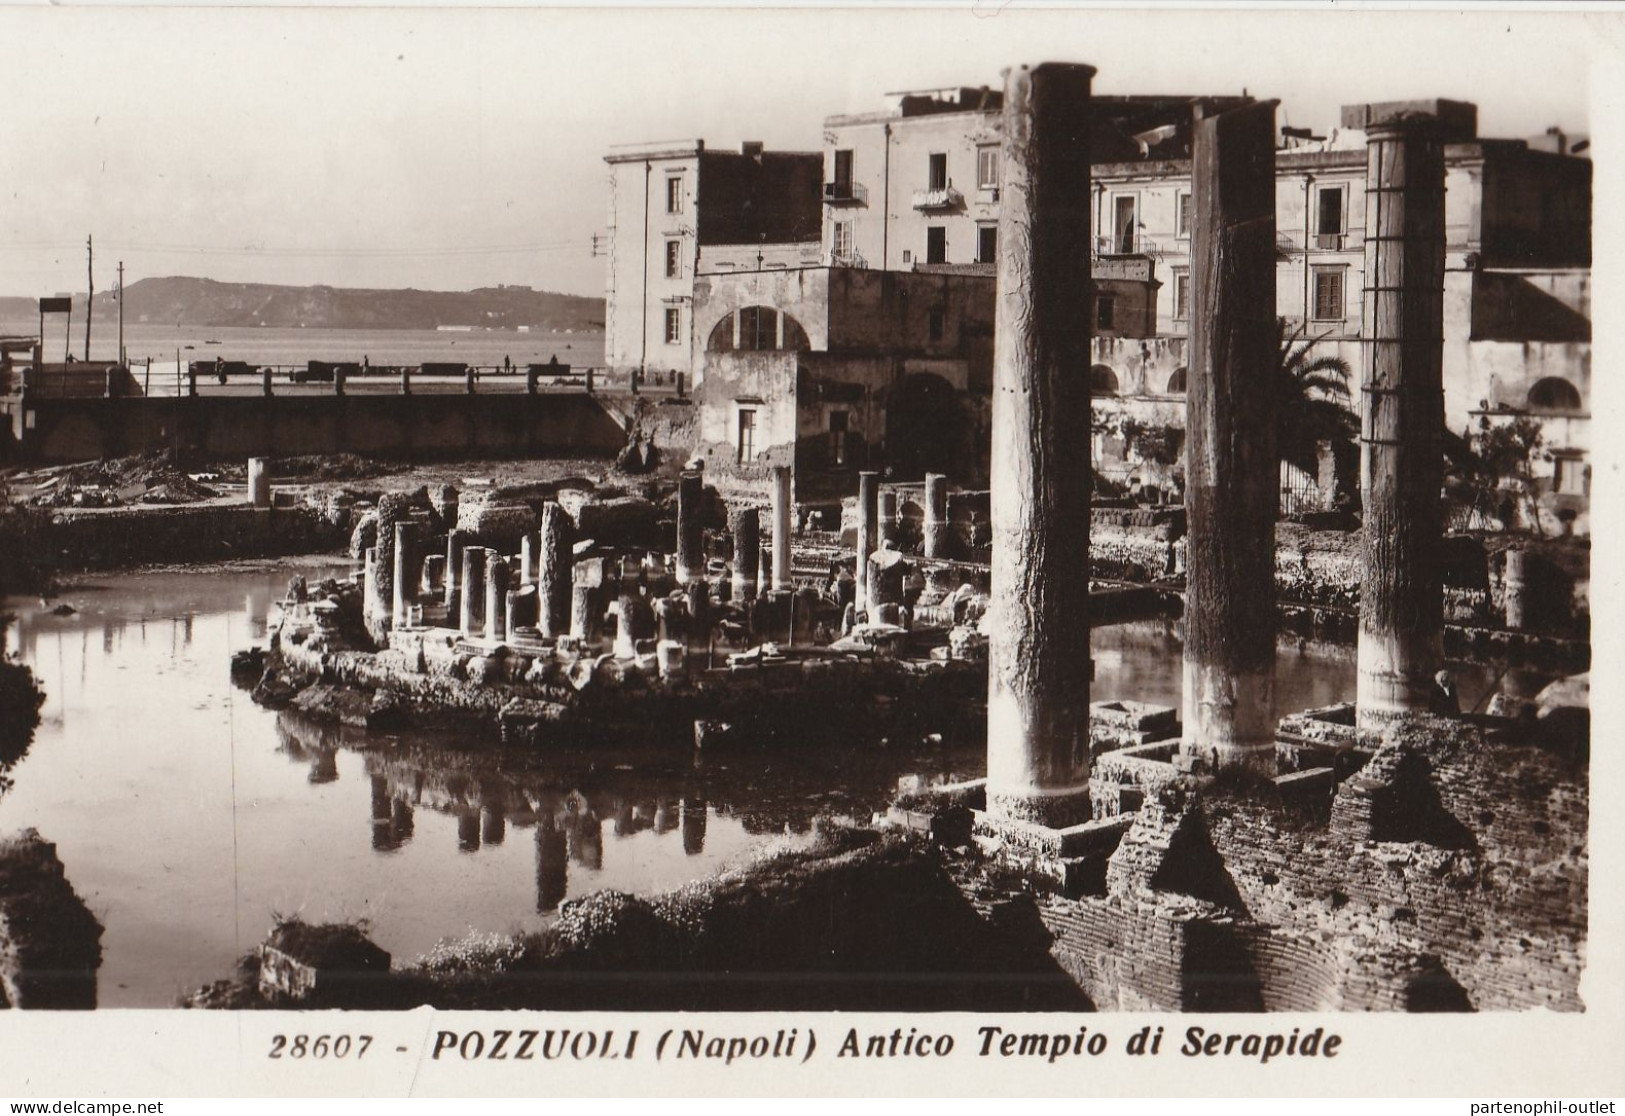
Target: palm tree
{"type": "Point", "coordinates": [1311, 400]}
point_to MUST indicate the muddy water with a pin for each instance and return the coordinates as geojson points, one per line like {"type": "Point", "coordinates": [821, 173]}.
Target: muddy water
{"type": "Point", "coordinates": [187, 817]}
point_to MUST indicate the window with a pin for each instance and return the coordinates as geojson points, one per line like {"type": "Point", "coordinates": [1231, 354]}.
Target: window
{"type": "Point", "coordinates": [1554, 394]}
{"type": "Point", "coordinates": [1105, 306]}
{"type": "Point", "coordinates": [1328, 294]}
{"type": "Point", "coordinates": [987, 244]}
{"type": "Point", "coordinates": [747, 435]}
{"type": "Point", "coordinates": [1176, 382]}
{"type": "Point", "coordinates": [837, 438]}
{"type": "Point", "coordinates": [1571, 476]}
{"type": "Point", "coordinates": [987, 168]}
{"type": "Point", "coordinates": [1123, 225]}
{"type": "Point", "coordinates": [936, 244]}
{"type": "Point", "coordinates": [1102, 380]}
{"type": "Point", "coordinates": [674, 259]}
{"type": "Point", "coordinates": [1329, 211]}
{"type": "Point", "coordinates": [842, 179]}
{"type": "Point", "coordinates": [674, 194]}
{"type": "Point", "coordinates": [1184, 218]}
{"type": "Point", "coordinates": [937, 317]}
{"type": "Point", "coordinates": [841, 239]}
{"type": "Point", "coordinates": [1182, 295]}
{"type": "Point", "coordinates": [674, 326]}
{"type": "Point", "coordinates": [938, 171]}
{"type": "Point", "coordinates": [758, 329]}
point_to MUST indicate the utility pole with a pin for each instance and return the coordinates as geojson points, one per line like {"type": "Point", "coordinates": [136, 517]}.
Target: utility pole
{"type": "Point", "coordinates": [121, 357]}
{"type": "Point", "coordinates": [90, 290]}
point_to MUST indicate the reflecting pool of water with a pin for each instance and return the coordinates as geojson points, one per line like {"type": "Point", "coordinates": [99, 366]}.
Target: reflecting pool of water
{"type": "Point", "coordinates": [187, 817]}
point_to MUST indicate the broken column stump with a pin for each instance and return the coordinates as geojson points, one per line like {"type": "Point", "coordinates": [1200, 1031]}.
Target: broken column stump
{"type": "Point", "coordinates": [473, 609]}
{"type": "Point", "coordinates": [553, 573]}
{"type": "Point", "coordinates": [690, 529]}
{"type": "Point", "coordinates": [783, 510]}
{"type": "Point", "coordinates": [935, 530]}
{"type": "Point", "coordinates": [868, 539]}
{"type": "Point", "coordinates": [747, 538]}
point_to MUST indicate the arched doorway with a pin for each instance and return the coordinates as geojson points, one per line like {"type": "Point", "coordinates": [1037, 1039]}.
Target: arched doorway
{"type": "Point", "coordinates": [926, 428]}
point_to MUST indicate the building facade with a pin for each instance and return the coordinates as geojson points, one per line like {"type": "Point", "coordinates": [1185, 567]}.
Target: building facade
{"type": "Point", "coordinates": [913, 190]}
{"type": "Point", "coordinates": [675, 207]}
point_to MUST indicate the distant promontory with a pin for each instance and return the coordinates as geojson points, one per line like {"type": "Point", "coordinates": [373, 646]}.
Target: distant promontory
{"type": "Point", "coordinates": [207, 302]}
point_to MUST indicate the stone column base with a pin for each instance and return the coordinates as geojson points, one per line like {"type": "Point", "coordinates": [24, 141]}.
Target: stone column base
{"type": "Point", "coordinates": [1055, 808]}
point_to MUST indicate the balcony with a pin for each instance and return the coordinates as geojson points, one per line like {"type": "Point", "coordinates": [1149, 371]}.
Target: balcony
{"type": "Point", "coordinates": [847, 259]}
{"type": "Point", "coordinates": [945, 198]}
{"type": "Point", "coordinates": [845, 193]}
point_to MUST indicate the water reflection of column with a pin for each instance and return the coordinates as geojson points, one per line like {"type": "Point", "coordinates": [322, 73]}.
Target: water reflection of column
{"type": "Point", "coordinates": [692, 812]}
{"type": "Point", "coordinates": [552, 864]}
{"type": "Point", "coordinates": [380, 799]}
{"type": "Point", "coordinates": [468, 831]}
{"type": "Point", "coordinates": [402, 821]}
{"type": "Point", "coordinates": [493, 825]}
{"type": "Point", "coordinates": [585, 835]}
{"type": "Point", "coordinates": [325, 767]}
{"type": "Point", "coordinates": [623, 819]}
{"type": "Point", "coordinates": [665, 816]}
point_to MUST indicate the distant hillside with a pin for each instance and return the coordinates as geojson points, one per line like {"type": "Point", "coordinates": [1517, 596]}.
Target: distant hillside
{"type": "Point", "coordinates": [205, 302]}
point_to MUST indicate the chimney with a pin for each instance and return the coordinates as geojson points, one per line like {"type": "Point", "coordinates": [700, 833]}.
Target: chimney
{"type": "Point", "coordinates": [751, 149]}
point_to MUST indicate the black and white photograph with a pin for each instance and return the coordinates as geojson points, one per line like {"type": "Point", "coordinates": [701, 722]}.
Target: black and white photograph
{"type": "Point", "coordinates": [921, 532]}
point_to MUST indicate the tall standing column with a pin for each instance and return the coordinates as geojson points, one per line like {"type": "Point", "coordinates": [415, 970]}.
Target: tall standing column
{"type": "Point", "coordinates": [747, 532]}
{"type": "Point", "coordinates": [1038, 653]}
{"type": "Point", "coordinates": [690, 533]}
{"type": "Point", "coordinates": [553, 573]}
{"type": "Point", "coordinates": [496, 596]}
{"type": "Point", "coordinates": [1230, 459]}
{"type": "Point", "coordinates": [783, 509]}
{"type": "Point", "coordinates": [406, 573]}
{"type": "Point", "coordinates": [1402, 419]}
{"type": "Point", "coordinates": [935, 529]}
{"type": "Point", "coordinates": [473, 589]}
{"type": "Point", "coordinates": [868, 532]}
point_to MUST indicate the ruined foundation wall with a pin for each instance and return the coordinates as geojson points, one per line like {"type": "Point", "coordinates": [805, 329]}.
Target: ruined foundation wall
{"type": "Point", "coordinates": [1477, 856]}
{"type": "Point", "coordinates": [113, 537]}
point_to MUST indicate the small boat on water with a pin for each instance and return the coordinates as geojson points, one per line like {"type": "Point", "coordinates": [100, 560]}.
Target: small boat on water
{"type": "Point", "coordinates": [211, 341]}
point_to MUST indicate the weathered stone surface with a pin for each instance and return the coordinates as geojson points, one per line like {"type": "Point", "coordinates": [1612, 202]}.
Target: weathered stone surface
{"type": "Point", "coordinates": [50, 943]}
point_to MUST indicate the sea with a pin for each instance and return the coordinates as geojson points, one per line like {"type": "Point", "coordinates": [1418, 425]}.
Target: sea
{"type": "Point", "coordinates": [266, 345]}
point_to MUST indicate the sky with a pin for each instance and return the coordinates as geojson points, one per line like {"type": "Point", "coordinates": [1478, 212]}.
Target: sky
{"type": "Point", "coordinates": [450, 149]}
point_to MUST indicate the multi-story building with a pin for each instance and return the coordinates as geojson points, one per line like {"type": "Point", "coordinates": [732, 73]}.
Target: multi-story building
{"type": "Point", "coordinates": [675, 207]}
{"type": "Point", "coordinates": [916, 187]}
